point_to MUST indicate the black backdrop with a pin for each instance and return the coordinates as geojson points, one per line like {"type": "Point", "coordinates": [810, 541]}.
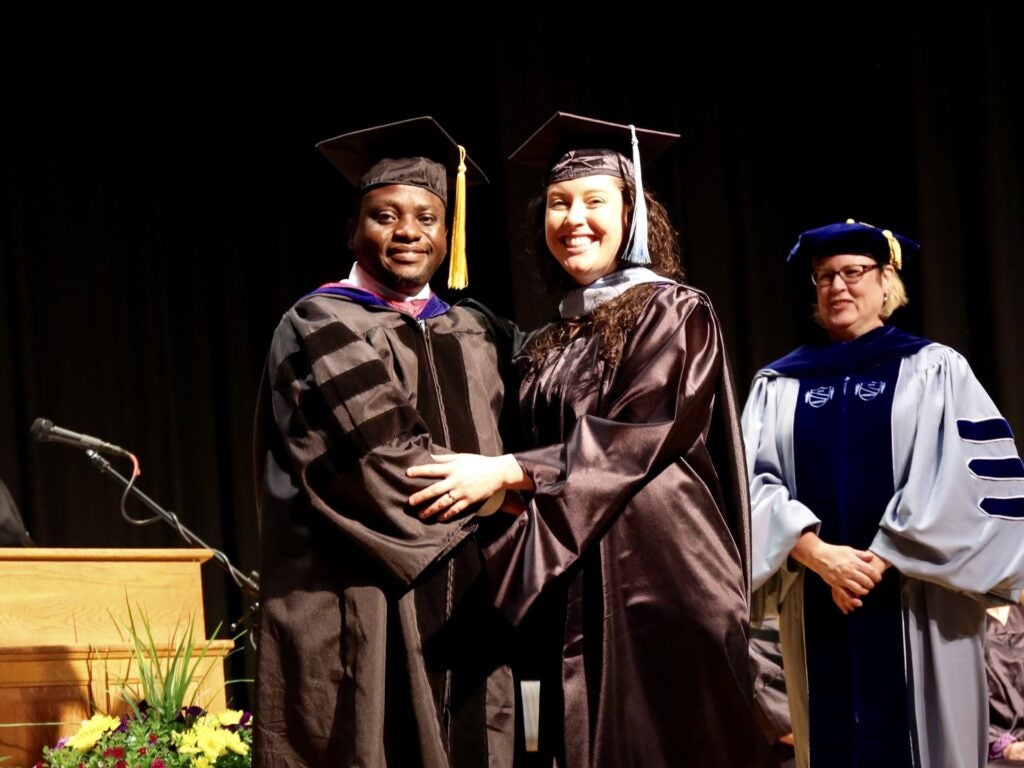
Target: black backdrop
{"type": "Point", "coordinates": [162, 204]}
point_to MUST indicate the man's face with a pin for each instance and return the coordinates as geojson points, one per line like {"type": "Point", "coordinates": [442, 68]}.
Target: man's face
{"type": "Point", "coordinates": [399, 236]}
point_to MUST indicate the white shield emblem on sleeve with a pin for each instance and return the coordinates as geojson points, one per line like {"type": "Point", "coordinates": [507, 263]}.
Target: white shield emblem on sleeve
{"type": "Point", "coordinates": [869, 390]}
{"type": "Point", "coordinates": [819, 396]}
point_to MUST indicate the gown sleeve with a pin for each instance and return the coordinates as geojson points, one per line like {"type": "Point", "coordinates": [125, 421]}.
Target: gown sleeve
{"type": "Point", "coordinates": [658, 407]}
{"type": "Point", "coordinates": [957, 518]}
{"type": "Point", "coordinates": [777, 519]}
{"type": "Point", "coordinates": [347, 433]}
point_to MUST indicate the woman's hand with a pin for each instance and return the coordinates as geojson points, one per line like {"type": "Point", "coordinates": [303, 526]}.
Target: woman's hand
{"type": "Point", "coordinates": [854, 570]}
{"type": "Point", "coordinates": [465, 479]}
{"type": "Point", "coordinates": [845, 601]}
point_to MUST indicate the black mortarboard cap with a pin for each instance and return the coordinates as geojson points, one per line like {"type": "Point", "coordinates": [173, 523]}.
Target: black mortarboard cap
{"type": "Point", "coordinates": [419, 153]}
{"type": "Point", "coordinates": [571, 146]}
{"type": "Point", "coordinates": [853, 237]}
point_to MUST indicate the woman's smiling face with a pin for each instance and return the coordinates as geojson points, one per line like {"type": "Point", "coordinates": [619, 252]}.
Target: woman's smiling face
{"type": "Point", "coordinates": [850, 310]}
{"type": "Point", "coordinates": [584, 225]}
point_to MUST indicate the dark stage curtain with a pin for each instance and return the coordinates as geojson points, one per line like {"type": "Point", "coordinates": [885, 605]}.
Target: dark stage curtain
{"type": "Point", "coordinates": [159, 211]}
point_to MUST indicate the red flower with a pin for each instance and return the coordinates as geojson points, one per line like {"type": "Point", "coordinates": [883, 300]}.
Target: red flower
{"type": "Point", "coordinates": [120, 764]}
{"type": "Point", "coordinates": [142, 750]}
{"type": "Point", "coordinates": [152, 740]}
{"type": "Point", "coordinates": [158, 763]}
{"type": "Point", "coordinates": [117, 752]}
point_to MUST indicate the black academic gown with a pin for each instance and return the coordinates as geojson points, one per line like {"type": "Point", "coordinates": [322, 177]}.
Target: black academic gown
{"type": "Point", "coordinates": [378, 645]}
{"type": "Point", "coordinates": [633, 556]}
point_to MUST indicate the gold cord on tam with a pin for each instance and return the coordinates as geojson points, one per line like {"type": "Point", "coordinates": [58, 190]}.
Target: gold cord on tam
{"type": "Point", "coordinates": [895, 252]}
{"type": "Point", "coordinates": [458, 276]}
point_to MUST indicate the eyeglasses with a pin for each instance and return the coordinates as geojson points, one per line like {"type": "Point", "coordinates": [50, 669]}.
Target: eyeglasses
{"type": "Point", "coordinates": [849, 275]}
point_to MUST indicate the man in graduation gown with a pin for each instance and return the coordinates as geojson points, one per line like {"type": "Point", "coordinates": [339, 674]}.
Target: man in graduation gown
{"type": "Point", "coordinates": [378, 645]}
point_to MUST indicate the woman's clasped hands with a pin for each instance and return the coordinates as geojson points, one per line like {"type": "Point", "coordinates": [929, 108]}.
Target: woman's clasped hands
{"type": "Point", "coordinates": [851, 573]}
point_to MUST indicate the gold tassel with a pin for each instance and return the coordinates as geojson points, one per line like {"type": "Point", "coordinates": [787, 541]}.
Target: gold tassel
{"type": "Point", "coordinates": [895, 252]}
{"type": "Point", "coordinates": [458, 276]}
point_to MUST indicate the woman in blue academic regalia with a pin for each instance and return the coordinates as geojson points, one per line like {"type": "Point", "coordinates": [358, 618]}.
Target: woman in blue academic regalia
{"type": "Point", "coordinates": [887, 511]}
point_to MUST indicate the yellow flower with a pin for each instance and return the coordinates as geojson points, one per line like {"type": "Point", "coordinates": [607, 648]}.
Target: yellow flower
{"type": "Point", "coordinates": [91, 731]}
{"type": "Point", "coordinates": [206, 740]}
{"type": "Point", "coordinates": [229, 717]}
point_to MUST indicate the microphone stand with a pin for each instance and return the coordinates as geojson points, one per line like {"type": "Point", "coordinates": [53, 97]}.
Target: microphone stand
{"type": "Point", "coordinates": [248, 584]}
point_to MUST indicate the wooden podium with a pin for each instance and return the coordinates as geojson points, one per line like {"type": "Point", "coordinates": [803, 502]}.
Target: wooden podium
{"type": "Point", "coordinates": [64, 650]}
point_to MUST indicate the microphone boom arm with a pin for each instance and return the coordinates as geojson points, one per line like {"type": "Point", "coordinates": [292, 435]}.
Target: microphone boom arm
{"type": "Point", "coordinates": [248, 584]}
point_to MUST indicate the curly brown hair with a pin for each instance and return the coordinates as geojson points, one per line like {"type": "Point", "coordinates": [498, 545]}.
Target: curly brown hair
{"type": "Point", "coordinates": [612, 321]}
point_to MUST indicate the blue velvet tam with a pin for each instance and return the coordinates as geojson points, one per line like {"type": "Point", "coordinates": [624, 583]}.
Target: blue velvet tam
{"type": "Point", "coordinates": [416, 152]}
{"type": "Point", "coordinates": [852, 237]}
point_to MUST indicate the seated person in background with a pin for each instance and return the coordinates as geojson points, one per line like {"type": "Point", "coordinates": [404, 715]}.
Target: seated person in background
{"type": "Point", "coordinates": [770, 689]}
{"type": "Point", "coordinates": [1004, 665]}
{"type": "Point", "coordinates": [12, 527]}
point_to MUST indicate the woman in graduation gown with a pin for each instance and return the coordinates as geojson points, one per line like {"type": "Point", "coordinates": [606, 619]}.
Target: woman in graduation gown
{"type": "Point", "coordinates": [633, 552]}
{"type": "Point", "coordinates": [888, 509]}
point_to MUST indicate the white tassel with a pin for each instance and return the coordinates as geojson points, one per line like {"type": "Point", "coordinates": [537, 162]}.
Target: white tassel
{"type": "Point", "coordinates": [636, 251]}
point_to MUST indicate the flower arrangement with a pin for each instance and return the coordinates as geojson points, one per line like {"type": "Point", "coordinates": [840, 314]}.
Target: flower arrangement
{"type": "Point", "coordinates": [194, 739]}
{"type": "Point", "coordinates": [159, 731]}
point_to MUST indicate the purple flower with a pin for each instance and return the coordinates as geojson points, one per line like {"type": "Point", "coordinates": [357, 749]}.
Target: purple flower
{"type": "Point", "coordinates": [61, 742]}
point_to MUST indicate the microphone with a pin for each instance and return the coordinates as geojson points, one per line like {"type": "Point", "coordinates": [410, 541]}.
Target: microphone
{"type": "Point", "coordinates": [45, 431]}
